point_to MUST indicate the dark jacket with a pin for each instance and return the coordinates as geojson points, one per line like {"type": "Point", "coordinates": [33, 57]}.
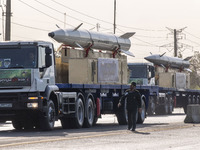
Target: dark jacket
{"type": "Point", "coordinates": [133, 99]}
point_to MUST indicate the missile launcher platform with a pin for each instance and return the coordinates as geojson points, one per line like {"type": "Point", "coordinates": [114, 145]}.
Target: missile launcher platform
{"type": "Point", "coordinates": [97, 68]}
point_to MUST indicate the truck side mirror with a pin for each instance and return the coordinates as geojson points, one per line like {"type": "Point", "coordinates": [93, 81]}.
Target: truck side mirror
{"type": "Point", "coordinates": [152, 71]}
{"type": "Point", "coordinates": [48, 60]}
{"type": "Point", "coordinates": [48, 50]}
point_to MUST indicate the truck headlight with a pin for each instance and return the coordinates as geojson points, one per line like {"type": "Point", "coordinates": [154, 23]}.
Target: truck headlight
{"type": "Point", "coordinates": [32, 105]}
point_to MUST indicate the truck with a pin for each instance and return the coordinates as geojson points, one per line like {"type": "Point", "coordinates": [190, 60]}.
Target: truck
{"type": "Point", "coordinates": [167, 90]}
{"type": "Point", "coordinates": [68, 86]}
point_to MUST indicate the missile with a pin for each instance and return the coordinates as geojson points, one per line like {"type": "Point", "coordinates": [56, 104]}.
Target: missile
{"type": "Point", "coordinates": [172, 62]}
{"type": "Point", "coordinates": [85, 39]}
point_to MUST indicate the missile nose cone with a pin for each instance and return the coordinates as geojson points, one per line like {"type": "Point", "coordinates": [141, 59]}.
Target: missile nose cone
{"type": "Point", "coordinates": [150, 58]}
{"type": "Point", "coordinates": [51, 34]}
{"type": "Point", "coordinates": [147, 58]}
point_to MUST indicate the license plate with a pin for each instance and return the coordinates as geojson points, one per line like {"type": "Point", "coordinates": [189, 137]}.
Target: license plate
{"type": "Point", "coordinates": [3, 105]}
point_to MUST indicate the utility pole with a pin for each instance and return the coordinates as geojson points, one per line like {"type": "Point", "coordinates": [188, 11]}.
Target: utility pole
{"type": "Point", "coordinates": [175, 43]}
{"type": "Point", "coordinates": [177, 34]}
{"type": "Point", "coordinates": [8, 20]}
{"type": "Point", "coordinates": [65, 20]}
{"type": "Point", "coordinates": [97, 26]}
{"type": "Point", "coordinates": [114, 16]}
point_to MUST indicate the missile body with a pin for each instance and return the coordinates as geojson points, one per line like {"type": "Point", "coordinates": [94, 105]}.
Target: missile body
{"type": "Point", "coordinates": [95, 40]}
{"type": "Point", "coordinates": [167, 61]}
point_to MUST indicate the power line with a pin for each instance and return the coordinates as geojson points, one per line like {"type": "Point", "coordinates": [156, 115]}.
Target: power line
{"type": "Point", "coordinates": [63, 13]}
{"type": "Point", "coordinates": [80, 12]}
{"type": "Point", "coordinates": [146, 42]}
{"type": "Point", "coordinates": [30, 27]}
{"type": "Point", "coordinates": [101, 19]}
{"type": "Point", "coordinates": [192, 35]}
{"type": "Point", "coordinates": [43, 12]}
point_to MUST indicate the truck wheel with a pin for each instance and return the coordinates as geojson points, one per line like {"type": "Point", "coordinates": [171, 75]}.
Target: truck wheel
{"type": "Point", "coordinates": [95, 120]}
{"type": "Point", "coordinates": [17, 124]}
{"type": "Point", "coordinates": [47, 121]}
{"type": "Point", "coordinates": [79, 114]}
{"type": "Point", "coordinates": [142, 115]}
{"type": "Point", "coordinates": [152, 106]}
{"type": "Point", "coordinates": [65, 122]}
{"type": "Point", "coordinates": [88, 121]}
{"type": "Point", "coordinates": [122, 115]}
{"type": "Point", "coordinates": [2, 121]}
{"type": "Point", "coordinates": [28, 125]}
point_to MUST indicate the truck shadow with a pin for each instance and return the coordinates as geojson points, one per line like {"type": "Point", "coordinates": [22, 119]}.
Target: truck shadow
{"type": "Point", "coordinates": [60, 132]}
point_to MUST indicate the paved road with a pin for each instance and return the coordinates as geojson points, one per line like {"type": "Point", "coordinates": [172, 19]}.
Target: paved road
{"type": "Point", "coordinates": [157, 132]}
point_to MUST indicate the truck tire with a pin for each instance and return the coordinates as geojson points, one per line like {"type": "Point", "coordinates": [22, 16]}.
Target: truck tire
{"type": "Point", "coordinates": [17, 124]}
{"type": "Point", "coordinates": [152, 106]}
{"type": "Point", "coordinates": [142, 115]}
{"type": "Point", "coordinates": [65, 122]}
{"type": "Point", "coordinates": [160, 110]}
{"type": "Point", "coordinates": [95, 121]}
{"type": "Point", "coordinates": [78, 120]}
{"type": "Point", "coordinates": [89, 119]}
{"type": "Point", "coordinates": [47, 121]}
{"type": "Point", "coordinates": [171, 107]}
{"type": "Point", "coordinates": [2, 121]}
{"type": "Point", "coordinates": [166, 106]}
{"type": "Point", "coordinates": [122, 115]}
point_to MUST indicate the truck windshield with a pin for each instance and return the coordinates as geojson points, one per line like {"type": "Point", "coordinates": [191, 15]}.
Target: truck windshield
{"type": "Point", "coordinates": [18, 56]}
{"type": "Point", "coordinates": [138, 71]}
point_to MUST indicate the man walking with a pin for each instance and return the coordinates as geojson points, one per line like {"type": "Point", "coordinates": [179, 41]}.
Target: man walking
{"type": "Point", "coordinates": [133, 104]}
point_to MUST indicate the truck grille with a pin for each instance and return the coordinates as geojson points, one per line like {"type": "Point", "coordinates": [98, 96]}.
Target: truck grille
{"type": "Point", "coordinates": [8, 97]}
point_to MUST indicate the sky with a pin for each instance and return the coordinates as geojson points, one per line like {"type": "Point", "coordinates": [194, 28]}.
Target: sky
{"type": "Point", "coordinates": [152, 20]}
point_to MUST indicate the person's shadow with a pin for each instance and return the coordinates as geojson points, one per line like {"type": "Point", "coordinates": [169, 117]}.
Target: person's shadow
{"type": "Point", "coordinates": [144, 133]}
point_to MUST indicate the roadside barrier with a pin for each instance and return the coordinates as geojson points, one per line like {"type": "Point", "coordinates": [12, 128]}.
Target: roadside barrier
{"type": "Point", "coordinates": [193, 114]}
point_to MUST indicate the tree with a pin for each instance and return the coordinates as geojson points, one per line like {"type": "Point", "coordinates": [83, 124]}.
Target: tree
{"type": "Point", "coordinates": [195, 74]}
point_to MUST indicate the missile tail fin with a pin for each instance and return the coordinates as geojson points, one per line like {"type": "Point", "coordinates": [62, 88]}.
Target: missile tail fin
{"type": "Point", "coordinates": [187, 58]}
{"type": "Point", "coordinates": [79, 45]}
{"type": "Point", "coordinates": [57, 26]}
{"type": "Point", "coordinates": [127, 35]}
{"type": "Point", "coordinates": [163, 66]}
{"type": "Point", "coordinates": [127, 52]}
{"type": "Point", "coordinates": [187, 69]}
{"type": "Point", "coordinates": [162, 54]}
{"type": "Point", "coordinates": [78, 27]}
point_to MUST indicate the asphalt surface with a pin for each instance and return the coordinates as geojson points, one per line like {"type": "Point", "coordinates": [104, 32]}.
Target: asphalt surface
{"type": "Point", "coordinates": [157, 132]}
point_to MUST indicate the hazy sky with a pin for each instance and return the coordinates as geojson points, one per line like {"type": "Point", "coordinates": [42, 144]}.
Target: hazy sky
{"type": "Point", "coordinates": [34, 19]}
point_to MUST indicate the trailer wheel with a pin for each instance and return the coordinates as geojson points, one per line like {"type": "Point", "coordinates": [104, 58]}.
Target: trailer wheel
{"type": "Point", "coordinates": [170, 105]}
{"type": "Point", "coordinates": [189, 99]}
{"type": "Point", "coordinates": [142, 115]}
{"type": "Point", "coordinates": [152, 106]}
{"type": "Point", "coordinates": [193, 99]}
{"type": "Point", "coordinates": [197, 101]}
{"type": "Point", "coordinates": [48, 119]}
{"type": "Point", "coordinates": [122, 115]}
{"type": "Point", "coordinates": [79, 114]}
{"type": "Point", "coordinates": [89, 119]}
{"type": "Point", "coordinates": [166, 106]}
